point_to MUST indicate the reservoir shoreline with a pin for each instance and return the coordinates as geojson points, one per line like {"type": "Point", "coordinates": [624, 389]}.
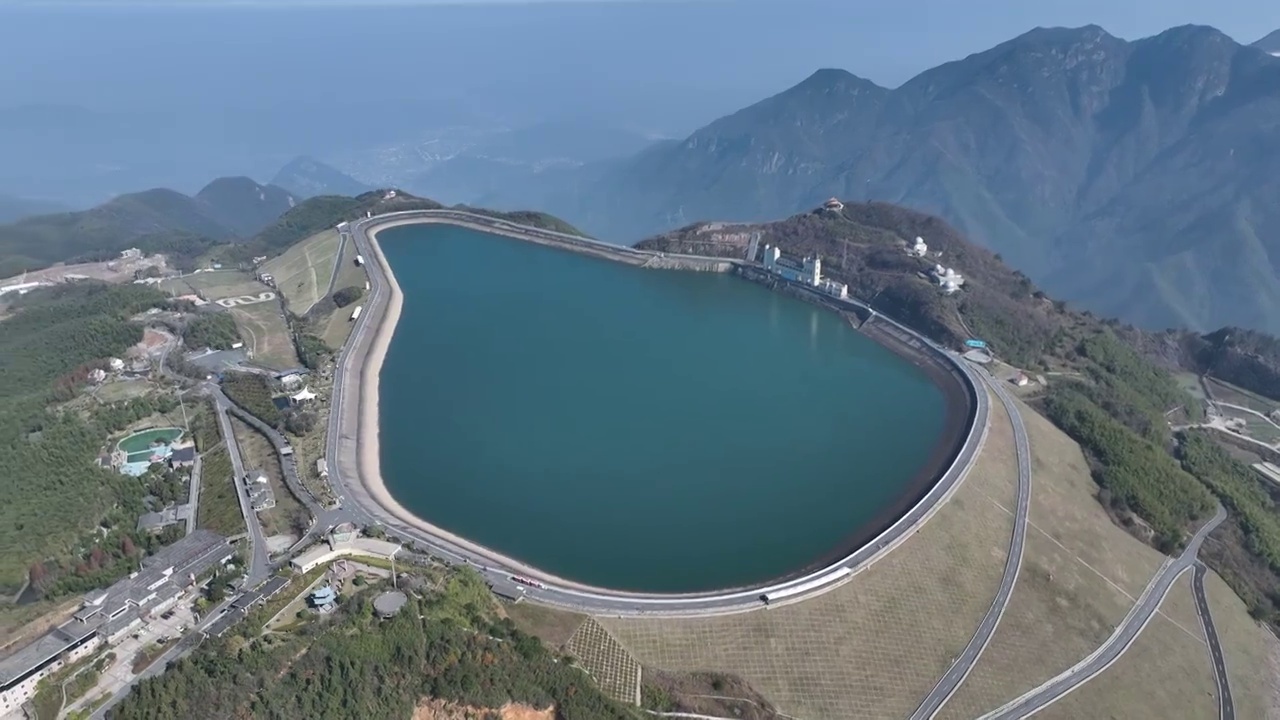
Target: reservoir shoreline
{"type": "Point", "coordinates": [944, 454]}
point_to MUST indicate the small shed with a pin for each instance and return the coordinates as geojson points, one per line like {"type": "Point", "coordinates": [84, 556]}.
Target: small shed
{"type": "Point", "coordinates": [182, 457]}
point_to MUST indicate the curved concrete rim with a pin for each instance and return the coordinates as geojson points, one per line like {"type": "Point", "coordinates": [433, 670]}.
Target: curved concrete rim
{"type": "Point", "coordinates": [371, 495]}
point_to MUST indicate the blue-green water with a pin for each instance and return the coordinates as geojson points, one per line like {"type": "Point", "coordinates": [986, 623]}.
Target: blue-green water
{"type": "Point", "coordinates": [650, 430]}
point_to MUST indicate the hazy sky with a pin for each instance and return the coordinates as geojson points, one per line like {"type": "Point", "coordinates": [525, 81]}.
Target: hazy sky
{"type": "Point", "coordinates": [259, 83]}
{"type": "Point", "coordinates": [103, 55]}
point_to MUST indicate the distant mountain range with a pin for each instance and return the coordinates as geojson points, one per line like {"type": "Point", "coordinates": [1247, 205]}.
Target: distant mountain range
{"type": "Point", "coordinates": [1270, 43]}
{"type": "Point", "coordinates": [1136, 179]}
{"type": "Point", "coordinates": [307, 177]}
{"type": "Point", "coordinates": [226, 208]}
{"type": "Point", "coordinates": [15, 208]}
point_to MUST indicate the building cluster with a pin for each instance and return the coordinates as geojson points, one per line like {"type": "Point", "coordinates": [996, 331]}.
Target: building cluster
{"type": "Point", "coordinates": [807, 272]}
{"type": "Point", "coordinates": [109, 615]}
{"type": "Point", "coordinates": [344, 541]}
{"type": "Point", "coordinates": [948, 279]}
{"type": "Point", "coordinates": [243, 604]}
{"type": "Point", "coordinates": [261, 496]}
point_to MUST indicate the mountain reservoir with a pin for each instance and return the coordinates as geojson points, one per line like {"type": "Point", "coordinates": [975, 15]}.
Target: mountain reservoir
{"type": "Point", "coordinates": [647, 430]}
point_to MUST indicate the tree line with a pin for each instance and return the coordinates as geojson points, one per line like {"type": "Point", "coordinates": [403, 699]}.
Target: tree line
{"type": "Point", "coordinates": [450, 645]}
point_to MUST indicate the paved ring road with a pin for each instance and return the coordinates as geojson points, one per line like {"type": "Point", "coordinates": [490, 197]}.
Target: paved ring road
{"type": "Point", "coordinates": [359, 508]}
{"type": "Point", "coordinates": [963, 664]}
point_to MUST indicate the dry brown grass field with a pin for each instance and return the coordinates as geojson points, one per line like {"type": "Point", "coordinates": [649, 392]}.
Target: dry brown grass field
{"type": "Point", "coordinates": [215, 284]}
{"type": "Point", "coordinates": [554, 627]}
{"type": "Point", "coordinates": [337, 326]}
{"type": "Point", "coordinates": [264, 329]}
{"type": "Point", "coordinates": [1164, 674]}
{"type": "Point", "coordinates": [1251, 652]}
{"type": "Point", "coordinates": [1080, 575]}
{"type": "Point", "coordinates": [258, 454]}
{"type": "Point", "coordinates": [873, 647]}
{"type": "Point", "coordinates": [302, 272]}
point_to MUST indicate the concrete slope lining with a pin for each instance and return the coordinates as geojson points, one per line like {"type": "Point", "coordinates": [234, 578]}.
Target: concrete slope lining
{"type": "Point", "coordinates": [968, 658]}
{"type": "Point", "coordinates": [1121, 639]}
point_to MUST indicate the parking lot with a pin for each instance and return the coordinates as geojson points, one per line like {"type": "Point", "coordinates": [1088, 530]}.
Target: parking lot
{"type": "Point", "coordinates": [120, 672]}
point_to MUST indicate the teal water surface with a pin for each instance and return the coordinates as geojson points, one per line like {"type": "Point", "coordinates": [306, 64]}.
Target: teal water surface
{"type": "Point", "coordinates": [649, 430]}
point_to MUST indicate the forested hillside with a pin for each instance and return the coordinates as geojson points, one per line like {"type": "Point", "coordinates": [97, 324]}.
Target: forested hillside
{"type": "Point", "coordinates": [358, 667]}
{"type": "Point", "coordinates": [54, 495]}
{"type": "Point", "coordinates": [152, 220]}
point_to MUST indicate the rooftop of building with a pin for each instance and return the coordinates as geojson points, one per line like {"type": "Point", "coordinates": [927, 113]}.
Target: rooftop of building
{"type": "Point", "coordinates": [191, 555]}
{"type": "Point", "coordinates": [46, 646]}
{"type": "Point", "coordinates": [390, 602]}
{"type": "Point", "coordinates": [186, 454]}
{"type": "Point", "coordinates": [273, 586]}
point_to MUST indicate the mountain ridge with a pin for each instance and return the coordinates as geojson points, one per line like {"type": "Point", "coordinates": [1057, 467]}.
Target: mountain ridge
{"type": "Point", "coordinates": [307, 177]}
{"type": "Point", "coordinates": [1270, 43]}
{"type": "Point", "coordinates": [225, 209]}
{"type": "Point", "coordinates": [1126, 176]}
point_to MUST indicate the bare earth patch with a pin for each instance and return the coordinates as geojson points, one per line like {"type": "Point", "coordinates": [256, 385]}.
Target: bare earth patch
{"type": "Point", "coordinates": [713, 694]}
{"type": "Point", "coordinates": [873, 647]}
{"type": "Point", "coordinates": [441, 710]}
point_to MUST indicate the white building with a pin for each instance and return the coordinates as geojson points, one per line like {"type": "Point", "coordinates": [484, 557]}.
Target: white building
{"type": "Point", "coordinates": [343, 542]}
{"type": "Point", "coordinates": [116, 364]}
{"type": "Point", "coordinates": [109, 615]}
{"type": "Point", "coordinates": [948, 279]}
{"type": "Point", "coordinates": [920, 248]}
{"type": "Point", "coordinates": [290, 381]}
{"type": "Point", "coordinates": [808, 272]}
{"type": "Point", "coordinates": [834, 289]}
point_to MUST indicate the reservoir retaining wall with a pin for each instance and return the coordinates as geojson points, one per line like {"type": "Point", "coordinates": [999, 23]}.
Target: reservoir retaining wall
{"type": "Point", "coordinates": [960, 401]}
{"type": "Point", "coordinates": [947, 460]}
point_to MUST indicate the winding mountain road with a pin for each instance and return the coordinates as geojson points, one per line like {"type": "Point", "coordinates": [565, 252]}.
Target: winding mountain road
{"type": "Point", "coordinates": [1226, 705]}
{"type": "Point", "coordinates": [1125, 633]}
{"type": "Point", "coordinates": [964, 663]}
